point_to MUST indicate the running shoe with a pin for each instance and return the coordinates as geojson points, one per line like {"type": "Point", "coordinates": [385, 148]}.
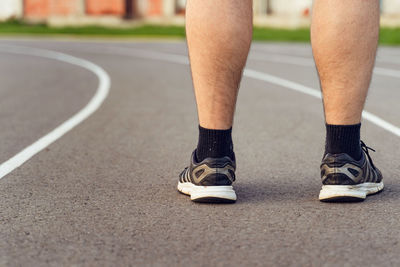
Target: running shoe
{"type": "Point", "coordinates": [346, 179]}
{"type": "Point", "coordinates": [209, 180]}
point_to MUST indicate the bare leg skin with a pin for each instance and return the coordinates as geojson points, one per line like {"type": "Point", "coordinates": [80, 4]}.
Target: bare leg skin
{"type": "Point", "coordinates": [344, 37]}
{"type": "Point", "coordinates": [218, 35]}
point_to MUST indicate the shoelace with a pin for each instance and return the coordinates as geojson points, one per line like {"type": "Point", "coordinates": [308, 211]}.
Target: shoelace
{"type": "Point", "coordinates": [365, 148]}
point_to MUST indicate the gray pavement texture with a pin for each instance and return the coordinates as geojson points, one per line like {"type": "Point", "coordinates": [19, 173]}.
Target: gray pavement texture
{"type": "Point", "coordinates": [105, 193]}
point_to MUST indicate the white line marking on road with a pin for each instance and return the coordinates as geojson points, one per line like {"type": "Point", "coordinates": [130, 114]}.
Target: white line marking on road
{"type": "Point", "coordinates": [142, 53]}
{"type": "Point", "coordinates": [147, 54]}
{"type": "Point", "coordinates": [256, 56]}
{"type": "Point", "coordinates": [281, 82]}
{"type": "Point", "coordinates": [89, 109]}
{"type": "Point", "coordinates": [387, 72]}
{"type": "Point", "coordinates": [317, 94]}
{"type": "Point", "coordinates": [307, 62]}
{"type": "Point", "coordinates": [279, 58]}
{"type": "Point", "coordinates": [293, 60]}
{"type": "Point", "coordinates": [382, 56]}
{"type": "Point", "coordinates": [390, 60]}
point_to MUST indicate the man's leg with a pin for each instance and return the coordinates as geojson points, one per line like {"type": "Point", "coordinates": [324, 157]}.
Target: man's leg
{"type": "Point", "coordinates": [218, 36]}
{"type": "Point", "coordinates": [344, 36]}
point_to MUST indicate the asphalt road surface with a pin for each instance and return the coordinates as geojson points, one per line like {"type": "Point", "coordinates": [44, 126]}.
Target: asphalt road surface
{"type": "Point", "coordinates": [105, 192]}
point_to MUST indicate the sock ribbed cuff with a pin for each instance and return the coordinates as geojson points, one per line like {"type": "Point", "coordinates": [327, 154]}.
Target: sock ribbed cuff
{"type": "Point", "coordinates": [343, 139]}
{"type": "Point", "coordinates": [214, 143]}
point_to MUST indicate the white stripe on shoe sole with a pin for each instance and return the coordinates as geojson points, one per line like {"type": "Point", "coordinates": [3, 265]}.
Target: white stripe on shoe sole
{"type": "Point", "coordinates": [196, 192]}
{"type": "Point", "coordinates": [360, 191]}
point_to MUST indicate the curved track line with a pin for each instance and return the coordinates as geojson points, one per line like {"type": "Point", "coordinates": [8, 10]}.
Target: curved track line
{"type": "Point", "coordinates": [317, 94]}
{"type": "Point", "coordinates": [382, 58]}
{"type": "Point", "coordinates": [387, 72]}
{"type": "Point", "coordinates": [280, 58]}
{"type": "Point", "coordinates": [89, 109]}
{"type": "Point", "coordinates": [307, 62]}
{"type": "Point", "coordinates": [179, 59]}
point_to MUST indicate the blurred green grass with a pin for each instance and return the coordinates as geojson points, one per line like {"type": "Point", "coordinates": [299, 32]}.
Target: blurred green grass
{"type": "Point", "coordinates": [388, 36]}
{"type": "Point", "coordinates": [14, 27]}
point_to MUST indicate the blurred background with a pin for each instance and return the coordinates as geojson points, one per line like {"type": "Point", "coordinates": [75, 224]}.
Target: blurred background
{"type": "Point", "coordinates": [105, 192]}
{"type": "Point", "coordinates": [269, 13]}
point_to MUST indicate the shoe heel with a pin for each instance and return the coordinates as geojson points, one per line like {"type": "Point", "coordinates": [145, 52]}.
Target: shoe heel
{"type": "Point", "coordinates": [213, 194]}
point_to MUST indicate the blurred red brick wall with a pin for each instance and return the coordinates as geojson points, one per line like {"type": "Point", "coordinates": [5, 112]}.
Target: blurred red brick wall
{"type": "Point", "coordinates": [44, 8]}
{"type": "Point", "coordinates": [105, 7]}
{"type": "Point", "coordinates": [36, 8]}
{"type": "Point", "coordinates": [154, 7]}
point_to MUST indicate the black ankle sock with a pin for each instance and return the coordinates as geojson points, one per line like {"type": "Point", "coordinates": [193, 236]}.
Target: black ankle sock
{"type": "Point", "coordinates": [214, 143]}
{"type": "Point", "coordinates": [343, 139]}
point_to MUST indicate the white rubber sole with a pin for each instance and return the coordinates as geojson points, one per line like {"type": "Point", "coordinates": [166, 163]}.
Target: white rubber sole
{"type": "Point", "coordinates": [349, 192]}
{"type": "Point", "coordinates": [208, 193]}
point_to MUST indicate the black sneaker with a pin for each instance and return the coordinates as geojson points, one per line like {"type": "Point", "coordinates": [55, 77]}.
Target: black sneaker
{"type": "Point", "coordinates": [346, 179]}
{"type": "Point", "coordinates": [209, 180]}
